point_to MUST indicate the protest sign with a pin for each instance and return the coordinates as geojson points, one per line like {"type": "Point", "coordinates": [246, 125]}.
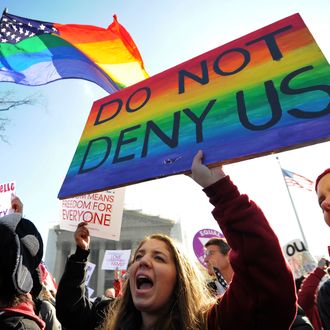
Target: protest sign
{"type": "Point", "coordinates": [262, 93]}
{"type": "Point", "coordinates": [90, 291]}
{"type": "Point", "coordinates": [102, 211]}
{"type": "Point", "coordinates": [199, 241]}
{"type": "Point", "coordinates": [116, 259]}
{"type": "Point", "coordinates": [299, 258]}
{"type": "Point", "coordinates": [7, 190]}
{"type": "Point", "coordinates": [89, 271]}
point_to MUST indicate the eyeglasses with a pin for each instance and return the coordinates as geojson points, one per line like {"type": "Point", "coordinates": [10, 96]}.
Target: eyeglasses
{"type": "Point", "coordinates": [210, 253]}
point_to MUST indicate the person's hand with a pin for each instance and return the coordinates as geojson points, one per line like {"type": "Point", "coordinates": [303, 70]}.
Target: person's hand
{"type": "Point", "coordinates": [16, 204]}
{"type": "Point", "coordinates": [81, 236]}
{"type": "Point", "coordinates": [203, 175]}
{"type": "Point", "coordinates": [323, 263]}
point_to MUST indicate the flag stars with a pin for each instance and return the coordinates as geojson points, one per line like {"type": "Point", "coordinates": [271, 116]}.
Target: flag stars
{"type": "Point", "coordinates": [13, 30]}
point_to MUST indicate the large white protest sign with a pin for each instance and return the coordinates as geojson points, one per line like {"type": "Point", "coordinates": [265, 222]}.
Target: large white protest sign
{"type": "Point", "coordinates": [103, 211]}
{"type": "Point", "coordinates": [116, 259]}
{"type": "Point", "coordinates": [299, 258]}
{"type": "Point", "coordinates": [7, 190]}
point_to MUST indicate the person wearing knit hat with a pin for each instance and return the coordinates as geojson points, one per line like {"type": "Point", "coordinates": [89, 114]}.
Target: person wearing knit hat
{"type": "Point", "coordinates": [21, 251]}
{"type": "Point", "coordinates": [322, 188]}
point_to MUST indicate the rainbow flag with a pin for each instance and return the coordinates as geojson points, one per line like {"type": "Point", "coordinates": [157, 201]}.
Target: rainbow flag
{"type": "Point", "coordinates": [35, 53]}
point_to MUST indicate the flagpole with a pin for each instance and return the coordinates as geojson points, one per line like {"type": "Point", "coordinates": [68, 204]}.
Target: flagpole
{"type": "Point", "coordinates": [293, 206]}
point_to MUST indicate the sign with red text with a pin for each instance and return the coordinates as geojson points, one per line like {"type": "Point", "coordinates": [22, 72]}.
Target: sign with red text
{"type": "Point", "coordinates": [262, 93]}
{"type": "Point", "coordinates": [299, 258]}
{"type": "Point", "coordinates": [116, 259]}
{"type": "Point", "coordinates": [103, 211]}
{"type": "Point", "coordinates": [7, 191]}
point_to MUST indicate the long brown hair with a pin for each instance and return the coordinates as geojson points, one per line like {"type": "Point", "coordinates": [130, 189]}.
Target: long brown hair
{"type": "Point", "coordinates": [189, 303]}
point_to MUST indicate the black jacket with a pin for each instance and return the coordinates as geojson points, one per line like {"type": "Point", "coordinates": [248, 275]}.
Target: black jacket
{"type": "Point", "coordinates": [73, 308]}
{"type": "Point", "coordinates": [323, 304]}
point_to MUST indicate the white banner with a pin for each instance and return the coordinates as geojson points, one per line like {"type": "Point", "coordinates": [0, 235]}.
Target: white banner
{"type": "Point", "coordinates": [116, 259]}
{"type": "Point", "coordinates": [299, 258]}
{"type": "Point", "coordinates": [103, 211]}
{"type": "Point", "coordinates": [7, 191]}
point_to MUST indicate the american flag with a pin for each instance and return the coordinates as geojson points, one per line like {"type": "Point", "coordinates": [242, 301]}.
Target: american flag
{"type": "Point", "coordinates": [14, 29]}
{"type": "Point", "coordinates": [297, 180]}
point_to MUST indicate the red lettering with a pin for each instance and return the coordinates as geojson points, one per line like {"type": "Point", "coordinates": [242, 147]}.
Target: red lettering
{"type": "Point", "coordinates": [102, 207]}
{"type": "Point", "coordinates": [71, 215]}
{"type": "Point", "coordinates": [6, 187]}
{"type": "Point", "coordinates": [87, 216]}
{"type": "Point", "coordinates": [107, 220]}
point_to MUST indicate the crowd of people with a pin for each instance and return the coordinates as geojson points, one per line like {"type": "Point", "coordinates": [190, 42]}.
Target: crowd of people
{"type": "Point", "coordinates": [252, 285]}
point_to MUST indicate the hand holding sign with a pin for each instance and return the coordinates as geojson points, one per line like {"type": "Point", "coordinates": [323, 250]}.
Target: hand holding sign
{"type": "Point", "coordinates": [81, 236]}
{"type": "Point", "coordinates": [202, 174]}
{"type": "Point", "coordinates": [323, 263]}
{"type": "Point", "coordinates": [16, 204]}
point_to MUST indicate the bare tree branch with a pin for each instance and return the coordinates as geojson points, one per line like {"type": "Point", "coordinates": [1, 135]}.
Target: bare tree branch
{"type": "Point", "coordinates": [7, 105]}
{"type": "Point", "coordinates": [9, 102]}
{"type": "Point", "coordinates": [3, 122]}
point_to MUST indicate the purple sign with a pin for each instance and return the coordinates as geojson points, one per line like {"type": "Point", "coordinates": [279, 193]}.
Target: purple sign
{"type": "Point", "coordinates": [199, 241]}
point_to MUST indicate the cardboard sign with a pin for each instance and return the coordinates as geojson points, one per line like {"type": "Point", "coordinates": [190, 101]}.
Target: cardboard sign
{"type": "Point", "coordinates": [102, 211]}
{"type": "Point", "coordinates": [116, 259]}
{"type": "Point", "coordinates": [7, 190]}
{"type": "Point", "coordinates": [299, 258]}
{"type": "Point", "coordinates": [267, 91]}
{"type": "Point", "coordinates": [199, 241]}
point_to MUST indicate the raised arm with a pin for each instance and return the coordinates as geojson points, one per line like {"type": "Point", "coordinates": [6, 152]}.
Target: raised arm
{"type": "Point", "coordinates": [262, 292]}
{"type": "Point", "coordinates": [308, 290]}
{"type": "Point", "coordinates": [73, 308]}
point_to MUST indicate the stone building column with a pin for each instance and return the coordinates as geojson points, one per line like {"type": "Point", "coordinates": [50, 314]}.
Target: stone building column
{"type": "Point", "coordinates": [101, 273]}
